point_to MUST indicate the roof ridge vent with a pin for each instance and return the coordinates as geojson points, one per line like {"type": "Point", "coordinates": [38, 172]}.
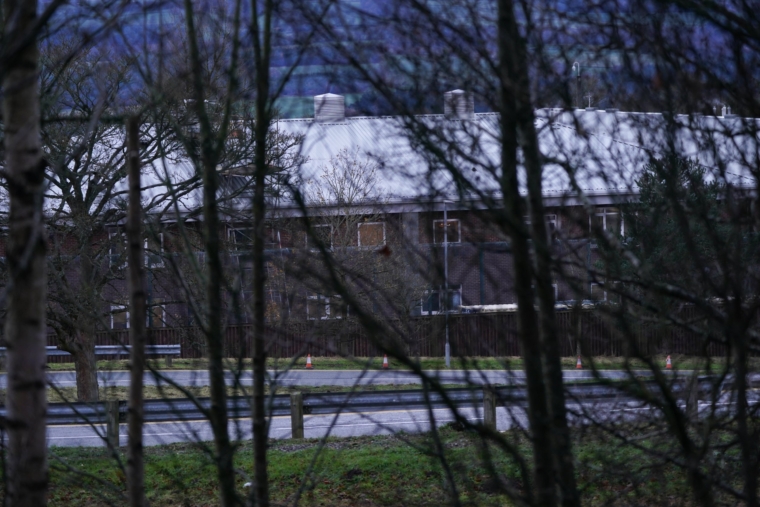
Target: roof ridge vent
{"type": "Point", "coordinates": [459, 105]}
{"type": "Point", "coordinates": [329, 107]}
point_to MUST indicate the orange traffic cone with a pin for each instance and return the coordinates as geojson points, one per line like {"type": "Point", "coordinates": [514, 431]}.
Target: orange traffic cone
{"type": "Point", "coordinates": [385, 362]}
{"type": "Point", "coordinates": [668, 363]}
{"type": "Point", "coordinates": [578, 364]}
{"type": "Point", "coordinates": [309, 366]}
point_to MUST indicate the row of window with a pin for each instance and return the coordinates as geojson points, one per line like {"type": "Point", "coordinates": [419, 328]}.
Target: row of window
{"type": "Point", "coordinates": [444, 231]}
{"type": "Point", "coordinates": [369, 234]}
{"type": "Point", "coordinates": [433, 302]}
{"type": "Point", "coordinates": [321, 307]}
{"type": "Point", "coordinates": [117, 249]}
{"type": "Point", "coordinates": [156, 315]}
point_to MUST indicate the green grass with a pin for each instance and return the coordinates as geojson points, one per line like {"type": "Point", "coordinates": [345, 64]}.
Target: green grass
{"type": "Point", "coordinates": [366, 471]}
{"type": "Point", "coordinates": [427, 363]}
{"type": "Point", "coordinates": [68, 394]}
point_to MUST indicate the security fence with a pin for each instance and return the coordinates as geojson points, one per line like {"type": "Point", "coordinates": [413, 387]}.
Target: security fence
{"type": "Point", "coordinates": [592, 332]}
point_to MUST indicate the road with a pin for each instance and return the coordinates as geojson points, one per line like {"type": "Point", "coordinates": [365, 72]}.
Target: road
{"type": "Point", "coordinates": [329, 377]}
{"type": "Point", "coordinates": [316, 426]}
{"type": "Point", "coordinates": [343, 425]}
{"type": "Point", "coordinates": [355, 424]}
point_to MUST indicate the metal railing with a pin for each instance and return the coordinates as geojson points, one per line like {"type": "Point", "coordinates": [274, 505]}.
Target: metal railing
{"type": "Point", "coordinates": [183, 409]}
{"type": "Point", "coordinates": [115, 350]}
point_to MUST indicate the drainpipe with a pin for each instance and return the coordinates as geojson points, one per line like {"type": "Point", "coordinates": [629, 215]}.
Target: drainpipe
{"type": "Point", "coordinates": [482, 276]}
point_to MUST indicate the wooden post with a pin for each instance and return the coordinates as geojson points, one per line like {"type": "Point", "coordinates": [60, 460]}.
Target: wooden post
{"type": "Point", "coordinates": [112, 423]}
{"type": "Point", "coordinates": [692, 398]}
{"type": "Point", "coordinates": [489, 408]}
{"type": "Point", "coordinates": [296, 415]}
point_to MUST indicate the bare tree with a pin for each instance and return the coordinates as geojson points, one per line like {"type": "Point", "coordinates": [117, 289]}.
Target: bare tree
{"type": "Point", "coordinates": [138, 314]}
{"type": "Point", "coordinates": [24, 170]}
{"type": "Point", "coordinates": [219, 82]}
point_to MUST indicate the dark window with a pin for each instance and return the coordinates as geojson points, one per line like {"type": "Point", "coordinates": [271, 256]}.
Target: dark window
{"type": "Point", "coordinates": [452, 230]}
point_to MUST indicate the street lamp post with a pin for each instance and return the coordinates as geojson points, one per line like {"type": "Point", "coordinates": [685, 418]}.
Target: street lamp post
{"type": "Point", "coordinates": [446, 281]}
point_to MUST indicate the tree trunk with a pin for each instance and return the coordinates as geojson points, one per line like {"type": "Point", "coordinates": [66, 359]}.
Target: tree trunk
{"type": "Point", "coordinates": [542, 491]}
{"type": "Point", "coordinates": [137, 318]}
{"type": "Point", "coordinates": [543, 270]}
{"type": "Point", "coordinates": [25, 329]}
{"type": "Point", "coordinates": [745, 431]}
{"type": "Point", "coordinates": [213, 326]}
{"type": "Point", "coordinates": [260, 491]}
{"type": "Point", "coordinates": [86, 365]}
{"type": "Point", "coordinates": [81, 342]}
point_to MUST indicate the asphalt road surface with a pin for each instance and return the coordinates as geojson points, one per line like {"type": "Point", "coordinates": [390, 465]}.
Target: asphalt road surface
{"type": "Point", "coordinates": [356, 424]}
{"type": "Point", "coordinates": [378, 422]}
{"type": "Point", "coordinates": [316, 426]}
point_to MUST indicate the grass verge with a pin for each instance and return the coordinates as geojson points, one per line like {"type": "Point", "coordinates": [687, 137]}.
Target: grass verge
{"type": "Point", "coordinates": [426, 363]}
{"type": "Point", "coordinates": [68, 394]}
{"type": "Point", "coordinates": [371, 471]}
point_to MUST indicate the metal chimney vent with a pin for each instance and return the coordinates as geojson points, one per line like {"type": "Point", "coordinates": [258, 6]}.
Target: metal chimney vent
{"type": "Point", "coordinates": [329, 107]}
{"type": "Point", "coordinates": [459, 104]}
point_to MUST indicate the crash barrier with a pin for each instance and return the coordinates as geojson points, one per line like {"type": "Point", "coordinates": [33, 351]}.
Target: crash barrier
{"type": "Point", "coordinates": [117, 351]}
{"type": "Point", "coordinates": [296, 405]}
{"type": "Point", "coordinates": [590, 332]}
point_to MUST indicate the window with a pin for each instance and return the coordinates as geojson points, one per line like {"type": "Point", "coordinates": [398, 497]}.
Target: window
{"type": "Point", "coordinates": [246, 305]}
{"type": "Point", "coordinates": [607, 220]}
{"type": "Point", "coordinates": [273, 239]}
{"type": "Point", "coordinates": [438, 300]}
{"type": "Point", "coordinates": [319, 307]}
{"type": "Point", "coordinates": [552, 225]}
{"type": "Point", "coordinates": [603, 292]}
{"type": "Point", "coordinates": [117, 248]}
{"type": "Point", "coordinates": [119, 317]}
{"type": "Point", "coordinates": [554, 289]}
{"type": "Point", "coordinates": [372, 234]}
{"type": "Point", "coordinates": [597, 292]}
{"type": "Point", "coordinates": [452, 230]}
{"type": "Point", "coordinates": [431, 303]}
{"type": "Point", "coordinates": [320, 233]}
{"type": "Point", "coordinates": [154, 251]}
{"type": "Point", "coordinates": [242, 238]}
{"type": "Point", "coordinates": [156, 313]}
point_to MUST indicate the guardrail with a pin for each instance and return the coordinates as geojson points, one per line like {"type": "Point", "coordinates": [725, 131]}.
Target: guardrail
{"type": "Point", "coordinates": [112, 413]}
{"type": "Point", "coordinates": [182, 409]}
{"type": "Point", "coordinates": [167, 351]}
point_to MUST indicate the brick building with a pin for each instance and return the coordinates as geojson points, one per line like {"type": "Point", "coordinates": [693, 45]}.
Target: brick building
{"type": "Point", "coordinates": [375, 193]}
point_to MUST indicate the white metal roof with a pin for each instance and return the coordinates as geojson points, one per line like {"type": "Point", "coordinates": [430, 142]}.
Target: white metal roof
{"type": "Point", "coordinates": [594, 155]}
{"type": "Point", "coordinates": [590, 156]}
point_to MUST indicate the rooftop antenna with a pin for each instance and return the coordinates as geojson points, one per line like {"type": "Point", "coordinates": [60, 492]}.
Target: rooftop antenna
{"type": "Point", "coordinates": [577, 71]}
